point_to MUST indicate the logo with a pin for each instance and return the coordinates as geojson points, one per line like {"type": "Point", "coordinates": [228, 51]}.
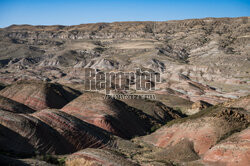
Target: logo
{"type": "Point", "coordinates": [121, 81]}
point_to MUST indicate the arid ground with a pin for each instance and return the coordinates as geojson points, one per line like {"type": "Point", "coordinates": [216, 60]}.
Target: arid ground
{"type": "Point", "coordinates": [200, 114]}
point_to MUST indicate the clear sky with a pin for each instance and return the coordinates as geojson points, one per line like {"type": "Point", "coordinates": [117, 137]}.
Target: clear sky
{"type": "Point", "coordinates": [71, 12]}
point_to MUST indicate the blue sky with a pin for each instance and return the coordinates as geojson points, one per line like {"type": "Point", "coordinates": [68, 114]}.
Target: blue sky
{"type": "Point", "coordinates": [71, 12]}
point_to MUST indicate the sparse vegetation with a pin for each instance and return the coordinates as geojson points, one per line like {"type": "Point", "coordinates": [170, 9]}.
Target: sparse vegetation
{"type": "Point", "coordinates": [79, 161]}
{"type": "Point", "coordinates": [52, 159]}
{"type": "Point", "coordinates": [201, 62]}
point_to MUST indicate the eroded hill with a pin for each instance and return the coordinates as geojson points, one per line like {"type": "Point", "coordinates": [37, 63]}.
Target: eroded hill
{"type": "Point", "coordinates": [200, 115]}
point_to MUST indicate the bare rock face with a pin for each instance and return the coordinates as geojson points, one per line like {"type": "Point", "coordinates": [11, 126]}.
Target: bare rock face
{"type": "Point", "coordinates": [48, 131]}
{"type": "Point", "coordinates": [200, 61]}
{"type": "Point", "coordinates": [110, 114]}
{"type": "Point", "coordinates": [204, 129]}
{"type": "Point", "coordinates": [5, 160]}
{"type": "Point", "coordinates": [233, 151]}
{"type": "Point", "coordinates": [25, 135]}
{"type": "Point", "coordinates": [98, 157]}
{"type": "Point", "coordinates": [13, 106]}
{"type": "Point", "coordinates": [2, 86]}
{"type": "Point", "coordinates": [198, 106]}
{"type": "Point", "coordinates": [103, 64]}
{"type": "Point", "coordinates": [78, 133]}
{"type": "Point", "coordinates": [39, 95]}
{"type": "Point", "coordinates": [191, 55]}
{"type": "Point", "coordinates": [243, 102]}
{"type": "Point", "coordinates": [156, 109]}
{"type": "Point", "coordinates": [183, 151]}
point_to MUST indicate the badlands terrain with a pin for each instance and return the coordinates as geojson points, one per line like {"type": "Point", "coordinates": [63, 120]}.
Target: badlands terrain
{"type": "Point", "coordinates": [200, 116]}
